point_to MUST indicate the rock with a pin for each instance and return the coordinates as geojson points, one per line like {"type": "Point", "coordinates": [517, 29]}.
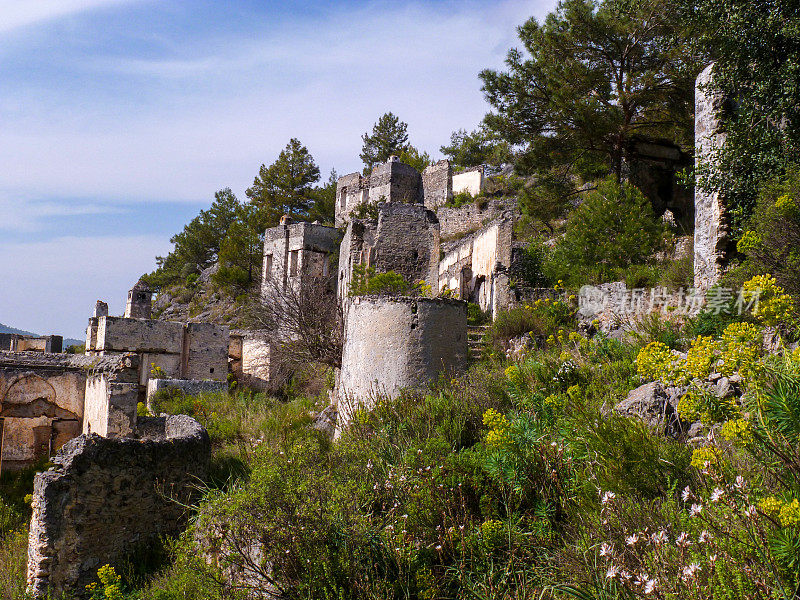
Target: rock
{"type": "Point", "coordinates": [657, 406]}
{"type": "Point", "coordinates": [325, 421]}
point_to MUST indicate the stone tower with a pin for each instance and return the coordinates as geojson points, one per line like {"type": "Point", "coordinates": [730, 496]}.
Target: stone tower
{"type": "Point", "coordinates": [140, 301]}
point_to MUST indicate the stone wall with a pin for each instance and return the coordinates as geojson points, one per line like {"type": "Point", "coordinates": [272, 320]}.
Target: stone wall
{"type": "Point", "coordinates": [437, 184]}
{"type": "Point", "coordinates": [392, 343]}
{"type": "Point", "coordinates": [108, 497]}
{"type": "Point", "coordinates": [475, 268]}
{"type": "Point", "coordinates": [710, 222]}
{"type": "Point", "coordinates": [405, 239]}
{"type": "Point", "coordinates": [111, 399]}
{"type": "Point", "coordinates": [391, 181]}
{"type": "Point", "coordinates": [42, 402]}
{"type": "Point", "coordinates": [295, 249]}
{"type": "Point", "coordinates": [454, 223]}
{"type": "Point", "coordinates": [470, 180]}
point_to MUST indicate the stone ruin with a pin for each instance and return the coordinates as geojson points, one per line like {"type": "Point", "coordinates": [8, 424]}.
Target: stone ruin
{"type": "Point", "coordinates": [15, 342]}
{"type": "Point", "coordinates": [106, 498]}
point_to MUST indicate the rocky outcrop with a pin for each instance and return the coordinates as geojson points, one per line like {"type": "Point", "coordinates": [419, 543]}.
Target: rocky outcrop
{"type": "Point", "coordinates": [657, 406]}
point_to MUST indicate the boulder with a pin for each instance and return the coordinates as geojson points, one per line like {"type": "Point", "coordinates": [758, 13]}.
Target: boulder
{"type": "Point", "coordinates": [657, 406]}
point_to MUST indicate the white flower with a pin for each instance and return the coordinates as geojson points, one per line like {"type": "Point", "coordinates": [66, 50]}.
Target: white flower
{"type": "Point", "coordinates": [683, 540]}
{"type": "Point", "coordinates": [438, 547]}
{"type": "Point", "coordinates": [650, 586]}
{"type": "Point", "coordinates": [690, 571]}
{"type": "Point", "coordinates": [712, 559]}
{"type": "Point", "coordinates": [696, 509]}
{"type": "Point", "coordinates": [716, 494]}
{"type": "Point", "coordinates": [686, 494]}
{"type": "Point", "coordinates": [704, 537]}
{"type": "Point", "coordinates": [632, 539]}
{"type": "Point", "coordinates": [606, 549]}
{"type": "Point", "coordinates": [625, 576]}
{"type": "Point", "coordinates": [750, 511]}
{"type": "Point", "coordinates": [612, 572]}
{"type": "Point", "coordinates": [660, 538]}
{"type": "Point", "coordinates": [739, 482]}
{"type": "Point", "coordinates": [608, 497]}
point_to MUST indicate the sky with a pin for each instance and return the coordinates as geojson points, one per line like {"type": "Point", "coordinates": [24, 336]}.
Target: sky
{"type": "Point", "coordinates": [119, 119]}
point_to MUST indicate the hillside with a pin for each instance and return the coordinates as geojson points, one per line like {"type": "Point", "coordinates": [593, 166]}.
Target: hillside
{"type": "Point", "coordinates": [7, 329]}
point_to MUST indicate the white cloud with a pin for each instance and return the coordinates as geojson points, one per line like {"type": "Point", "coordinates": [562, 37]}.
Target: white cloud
{"type": "Point", "coordinates": [20, 214]}
{"type": "Point", "coordinates": [51, 286]}
{"type": "Point", "coordinates": [20, 13]}
{"type": "Point", "coordinates": [207, 118]}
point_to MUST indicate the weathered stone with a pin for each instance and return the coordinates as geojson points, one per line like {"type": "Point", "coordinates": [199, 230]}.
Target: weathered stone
{"type": "Point", "coordinates": [710, 225]}
{"type": "Point", "coordinates": [395, 343]}
{"type": "Point", "coordinates": [657, 406]}
{"type": "Point", "coordinates": [190, 387]}
{"type": "Point", "coordinates": [140, 302]}
{"type": "Point", "coordinates": [105, 498]}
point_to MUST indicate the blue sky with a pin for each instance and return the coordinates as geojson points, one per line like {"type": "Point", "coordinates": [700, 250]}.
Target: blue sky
{"type": "Point", "coordinates": [119, 119]}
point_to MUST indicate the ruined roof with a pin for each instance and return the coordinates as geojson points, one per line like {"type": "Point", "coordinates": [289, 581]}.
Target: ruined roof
{"type": "Point", "coordinates": [42, 360]}
{"type": "Point", "coordinates": [141, 286]}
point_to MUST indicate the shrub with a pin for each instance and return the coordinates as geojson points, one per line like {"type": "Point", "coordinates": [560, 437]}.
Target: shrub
{"type": "Point", "coordinates": [612, 230]}
{"type": "Point", "coordinates": [771, 240]}
{"type": "Point", "coordinates": [367, 281]}
{"type": "Point", "coordinates": [540, 319]}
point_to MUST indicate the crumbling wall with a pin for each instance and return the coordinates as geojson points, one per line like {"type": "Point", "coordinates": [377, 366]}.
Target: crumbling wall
{"type": "Point", "coordinates": [437, 184]}
{"type": "Point", "coordinates": [41, 403]}
{"type": "Point", "coordinates": [107, 497]}
{"type": "Point", "coordinates": [475, 269]}
{"type": "Point", "coordinates": [405, 239]}
{"type": "Point", "coordinates": [111, 399]}
{"type": "Point", "coordinates": [470, 180]}
{"type": "Point", "coordinates": [454, 223]}
{"type": "Point", "coordinates": [710, 223]}
{"type": "Point", "coordinates": [391, 181]}
{"type": "Point", "coordinates": [392, 343]}
{"type": "Point", "coordinates": [292, 250]}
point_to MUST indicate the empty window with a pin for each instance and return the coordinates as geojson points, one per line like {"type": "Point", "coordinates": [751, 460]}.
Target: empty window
{"type": "Point", "coordinates": [268, 266]}
{"type": "Point", "coordinates": [293, 262]}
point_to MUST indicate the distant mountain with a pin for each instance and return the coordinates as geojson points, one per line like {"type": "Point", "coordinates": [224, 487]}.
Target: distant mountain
{"type": "Point", "coordinates": [67, 341]}
{"type": "Point", "coordinates": [7, 329]}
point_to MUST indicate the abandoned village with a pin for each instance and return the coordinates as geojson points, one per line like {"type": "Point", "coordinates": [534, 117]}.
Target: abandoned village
{"type": "Point", "coordinates": [528, 373]}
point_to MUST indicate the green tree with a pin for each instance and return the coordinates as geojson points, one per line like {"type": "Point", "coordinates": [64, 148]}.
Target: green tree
{"type": "Point", "coordinates": [755, 47]}
{"type": "Point", "coordinates": [389, 137]}
{"type": "Point", "coordinates": [198, 245]}
{"type": "Point", "coordinates": [323, 208]}
{"type": "Point", "coordinates": [414, 158]}
{"type": "Point", "coordinates": [242, 251]}
{"type": "Point", "coordinates": [478, 147]}
{"type": "Point", "coordinates": [612, 229]}
{"type": "Point", "coordinates": [285, 187]}
{"type": "Point", "coordinates": [595, 77]}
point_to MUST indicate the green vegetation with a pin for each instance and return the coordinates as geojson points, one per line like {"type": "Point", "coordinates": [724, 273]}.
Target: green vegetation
{"type": "Point", "coordinates": [389, 137]}
{"type": "Point", "coordinates": [612, 235]}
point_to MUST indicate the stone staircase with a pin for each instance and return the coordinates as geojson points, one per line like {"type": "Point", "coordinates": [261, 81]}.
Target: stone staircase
{"type": "Point", "coordinates": [475, 335]}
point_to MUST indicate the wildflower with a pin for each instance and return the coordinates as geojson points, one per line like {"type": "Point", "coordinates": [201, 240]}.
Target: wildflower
{"type": "Point", "coordinates": [739, 482]}
{"type": "Point", "coordinates": [750, 511]}
{"type": "Point", "coordinates": [690, 571]}
{"type": "Point", "coordinates": [438, 547]}
{"type": "Point", "coordinates": [650, 586]}
{"type": "Point", "coordinates": [632, 539]}
{"type": "Point", "coordinates": [686, 494]}
{"type": "Point", "coordinates": [704, 537]}
{"type": "Point", "coordinates": [790, 513]}
{"type": "Point", "coordinates": [606, 549]}
{"type": "Point", "coordinates": [612, 572]}
{"type": "Point", "coordinates": [608, 497]}
{"type": "Point", "coordinates": [696, 509]}
{"type": "Point", "coordinates": [770, 505]}
{"type": "Point", "coordinates": [717, 494]}
{"type": "Point", "coordinates": [683, 540]}
{"type": "Point", "coordinates": [660, 538]}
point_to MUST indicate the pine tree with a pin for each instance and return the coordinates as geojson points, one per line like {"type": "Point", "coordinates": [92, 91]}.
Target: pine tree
{"type": "Point", "coordinates": [389, 137]}
{"type": "Point", "coordinates": [285, 187]}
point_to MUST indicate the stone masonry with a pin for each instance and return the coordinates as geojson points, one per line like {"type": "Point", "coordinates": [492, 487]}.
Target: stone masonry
{"type": "Point", "coordinates": [710, 226]}
{"type": "Point", "coordinates": [394, 343]}
{"type": "Point", "coordinates": [405, 239]}
{"type": "Point", "coordinates": [106, 498]}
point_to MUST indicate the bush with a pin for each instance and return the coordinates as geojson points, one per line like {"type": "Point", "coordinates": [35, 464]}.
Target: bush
{"type": "Point", "coordinates": [368, 282]}
{"type": "Point", "coordinates": [542, 318]}
{"type": "Point", "coordinates": [771, 240]}
{"type": "Point", "coordinates": [612, 230]}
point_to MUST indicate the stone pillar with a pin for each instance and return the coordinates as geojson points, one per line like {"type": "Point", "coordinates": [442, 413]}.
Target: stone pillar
{"type": "Point", "coordinates": [710, 226]}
